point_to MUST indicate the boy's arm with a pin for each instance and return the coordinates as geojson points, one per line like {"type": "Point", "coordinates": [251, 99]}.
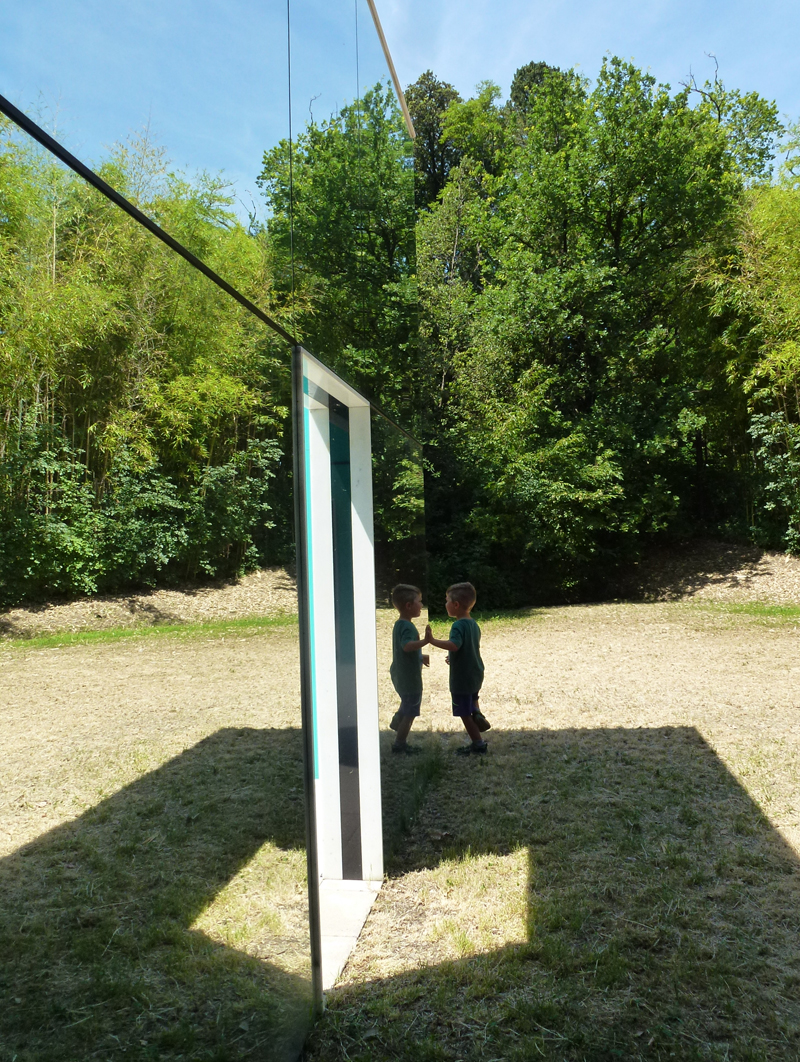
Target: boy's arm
{"type": "Point", "coordinates": [441, 643]}
{"type": "Point", "coordinates": [416, 643]}
{"type": "Point", "coordinates": [411, 647]}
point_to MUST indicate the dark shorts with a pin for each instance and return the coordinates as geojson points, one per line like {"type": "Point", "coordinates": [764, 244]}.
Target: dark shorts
{"type": "Point", "coordinates": [465, 703]}
{"type": "Point", "coordinates": [410, 704]}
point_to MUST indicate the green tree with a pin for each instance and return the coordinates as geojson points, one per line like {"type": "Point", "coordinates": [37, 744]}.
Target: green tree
{"type": "Point", "coordinates": [755, 295]}
{"type": "Point", "coordinates": [131, 390]}
{"type": "Point", "coordinates": [526, 83]}
{"type": "Point", "coordinates": [428, 99]}
{"type": "Point", "coordinates": [351, 200]}
{"type": "Point", "coordinates": [585, 402]}
{"type": "Point", "coordinates": [750, 122]}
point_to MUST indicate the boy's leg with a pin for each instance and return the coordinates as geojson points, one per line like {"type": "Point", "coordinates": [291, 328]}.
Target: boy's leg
{"type": "Point", "coordinates": [471, 728]}
{"type": "Point", "coordinates": [480, 718]}
{"type": "Point", "coordinates": [464, 706]}
{"type": "Point", "coordinates": [404, 720]}
{"type": "Point", "coordinates": [478, 744]}
{"type": "Point", "coordinates": [403, 728]}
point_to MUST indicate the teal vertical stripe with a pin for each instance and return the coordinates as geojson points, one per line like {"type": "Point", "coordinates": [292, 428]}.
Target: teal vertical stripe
{"type": "Point", "coordinates": [310, 568]}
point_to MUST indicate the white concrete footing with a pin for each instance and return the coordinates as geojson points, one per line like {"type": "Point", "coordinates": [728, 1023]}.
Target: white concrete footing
{"type": "Point", "coordinates": [344, 906]}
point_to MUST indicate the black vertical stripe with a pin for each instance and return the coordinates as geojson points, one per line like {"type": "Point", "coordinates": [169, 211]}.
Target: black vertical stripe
{"type": "Point", "coordinates": [344, 612]}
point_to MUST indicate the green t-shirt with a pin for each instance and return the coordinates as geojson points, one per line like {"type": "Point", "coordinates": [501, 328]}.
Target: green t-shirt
{"type": "Point", "coordinates": [466, 666]}
{"type": "Point", "coordinates": [406, 669]}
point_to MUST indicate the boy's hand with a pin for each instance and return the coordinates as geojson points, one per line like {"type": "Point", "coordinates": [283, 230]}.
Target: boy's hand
{"type": "Point", "coordinates": [428, 633]}
{"type": "Point", "coordinates": [447, 660]}
{"type": "Point", "coordinates": [426, 660]}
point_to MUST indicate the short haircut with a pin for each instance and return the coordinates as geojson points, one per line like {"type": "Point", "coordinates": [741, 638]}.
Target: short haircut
{"type": "Point", "coordinates": [404, 593]}
{"type": "Point", "coordinates": [463, 593]}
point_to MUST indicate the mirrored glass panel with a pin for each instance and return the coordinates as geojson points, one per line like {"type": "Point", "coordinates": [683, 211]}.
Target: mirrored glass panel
{"type": "Point", "coordinates": [146, 498]}
{"type": "Point", "coordinates": [153, 894]}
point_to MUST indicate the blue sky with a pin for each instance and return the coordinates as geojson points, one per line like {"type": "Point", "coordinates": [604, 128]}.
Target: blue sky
{"type": "Point", "coordinates": [757, 42]}
{"type": "Point", "coordinates": [209, 76]}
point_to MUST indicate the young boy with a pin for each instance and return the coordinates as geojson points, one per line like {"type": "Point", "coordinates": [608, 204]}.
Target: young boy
{"type": "Point", "coordinates": [407, 663]}
{"type": "Point", "coordinates": [466, 667]}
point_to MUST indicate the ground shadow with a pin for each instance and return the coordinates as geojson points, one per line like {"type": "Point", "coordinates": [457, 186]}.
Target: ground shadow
{"type": "Point", "coordinates": [136, 606]}
{"type": "Point", "coordinates": [99, 960]}
{"type": "Point", "coordinates": [662, 912]}
{"type": "Point", "coordinates": [672, 573]}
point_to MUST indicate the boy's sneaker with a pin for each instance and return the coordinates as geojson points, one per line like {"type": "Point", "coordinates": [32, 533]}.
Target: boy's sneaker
{"type": "Point", "coordinates": [408, 750]}
{"type": "Point", "coordinates": [481, 722]}
{"type": "Point", "coordinates": [477, 750]}
{"type": "Point", "coordinates": [395, 723]}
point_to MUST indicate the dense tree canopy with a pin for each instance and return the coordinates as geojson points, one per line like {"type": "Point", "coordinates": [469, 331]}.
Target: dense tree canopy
{"type": "Point", "coordinates": [583, 399]}
{"type": "Point", "coordinates": [434, 155]}
{"type": "Point", "coordinates": [584, 300]}
{"type": "Point", "coordinates": [353, 242]}
{"type": "Point", "coordinates": [140, 409]}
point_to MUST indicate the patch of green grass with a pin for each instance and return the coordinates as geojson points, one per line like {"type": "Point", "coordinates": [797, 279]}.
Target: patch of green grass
{"type": "Point", "coordinates": [207, 628]}
{"type": "Point", "coordinates": [405, 782]}
{"type": "Point", "coordinates": [754, 609]}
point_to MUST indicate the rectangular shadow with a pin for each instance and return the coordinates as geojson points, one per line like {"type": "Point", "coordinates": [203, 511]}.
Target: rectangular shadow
{"type": "Point", "coordinates": [662, 912]}
{"type": "Point", "coordinates": [98, 955]}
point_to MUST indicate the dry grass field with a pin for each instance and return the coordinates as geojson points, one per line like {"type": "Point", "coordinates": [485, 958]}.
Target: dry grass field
{"type": "Point", "coordinates": [153, 893]}
{"type": "Point", "coordinates": [617, 879]}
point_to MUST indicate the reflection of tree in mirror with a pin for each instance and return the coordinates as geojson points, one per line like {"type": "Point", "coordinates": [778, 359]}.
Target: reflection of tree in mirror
{"type": "Point", "coordinates": [140, 407]}
{"type": "Point", "coordinates": [399, 509]}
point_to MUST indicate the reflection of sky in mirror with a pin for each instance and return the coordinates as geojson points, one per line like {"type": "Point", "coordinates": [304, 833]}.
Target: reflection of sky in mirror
{"type": "Point", "coordinates": [208, 77]}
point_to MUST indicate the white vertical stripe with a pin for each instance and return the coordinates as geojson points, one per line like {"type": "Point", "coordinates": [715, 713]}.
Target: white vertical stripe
{"type": "Point", "coordinates": [329, 827]}
{"type": "Point", "coordinates": [366, 644]}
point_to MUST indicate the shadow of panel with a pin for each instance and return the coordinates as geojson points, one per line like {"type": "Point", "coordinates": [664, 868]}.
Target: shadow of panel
{"type": "Point", "coordinates": [99, 957]}
{"type": "Point", "coordinates": [662, 913]}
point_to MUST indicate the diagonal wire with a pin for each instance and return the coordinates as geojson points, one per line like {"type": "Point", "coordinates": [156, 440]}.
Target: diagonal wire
{"type": "Point", "coordinates": [291, 149]}
{"type": "Point", "coordinates": [33, 130]}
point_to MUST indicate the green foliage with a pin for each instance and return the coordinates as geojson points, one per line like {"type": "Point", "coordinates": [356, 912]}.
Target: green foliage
{"type": "Point", "coordinates": [581, 400]}
{"type": "Point", "coordinates": [354, 302]}
{"type": "Point", "coordinates": [591, 321]}
{"type": "Point", "coordinates": [434, 158]}
{"type": "Point", "coordinates": [57, 536]}
{"type": "Point", "coordinates": [755, 295]}
{"type": "Point", "coordinates": [141, 410]}
{"type": "Point", "coordinates": [526, 83]}
{"type": "Point", "coordinates": [778, 454]}
{"type": "Point", "coordinates": [750, 124]}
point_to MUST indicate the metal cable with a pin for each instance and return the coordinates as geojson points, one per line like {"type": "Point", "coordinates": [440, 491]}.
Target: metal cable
{"type": "Point", "coordinates": [33, 130]}
{"type": "Point", "coordinates": [291, 151]}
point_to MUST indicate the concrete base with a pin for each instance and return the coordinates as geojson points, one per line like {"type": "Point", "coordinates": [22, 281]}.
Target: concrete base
{"type": "Point", "coordinates": [344, 906]}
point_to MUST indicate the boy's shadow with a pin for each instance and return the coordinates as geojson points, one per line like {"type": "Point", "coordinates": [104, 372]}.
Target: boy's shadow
{"type": "Point", "coordinates": [99, 959]}
{"type": "Point", "coordinates": [662, 911]}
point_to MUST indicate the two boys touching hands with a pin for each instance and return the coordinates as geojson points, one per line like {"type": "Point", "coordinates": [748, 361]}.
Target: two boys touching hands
{"type": "Point", "coordinates": [466, 665]}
